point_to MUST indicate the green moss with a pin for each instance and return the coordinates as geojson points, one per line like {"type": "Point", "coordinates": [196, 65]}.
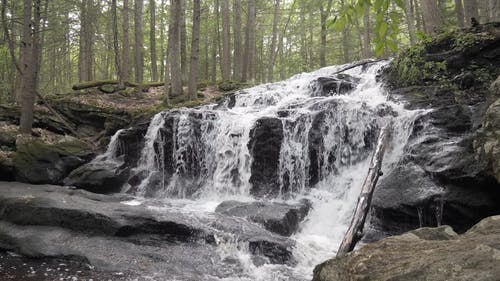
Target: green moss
{"type": "Point", "coordinates": [36, 149]}
{"type": "Point", "coordinates": [229, 85]}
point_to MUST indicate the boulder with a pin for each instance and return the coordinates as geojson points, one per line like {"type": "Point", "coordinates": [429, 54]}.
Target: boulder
{"type": "Point", "coordinates": [423, 254]}
{"type": "Point", "coordinates": [99, 177]}
{"type": "Point", "coordinates": [279, 218]}
{"type": "Point", "coordinates": [487, 141]}
{"type": "Point", "coordinates": [337, 85]}
{"type": "Point", "coordinates": [38, 162]}
{"type": "Point", "coordinates": [264, 146]}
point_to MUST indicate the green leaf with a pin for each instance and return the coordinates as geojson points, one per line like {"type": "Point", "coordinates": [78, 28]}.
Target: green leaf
{"type": "Point", "coordinates": [383, 29]}
{"type": "Point", "coordinates": [378, 4]}
{"type": "Point", "coordinates": [340, 23]}
{"type": "Point", "coordinates": [400, 3]}
{"type": "Point", "coordinates": [392, 45]}
{"type": "Point", "coordinates": [379, 49]}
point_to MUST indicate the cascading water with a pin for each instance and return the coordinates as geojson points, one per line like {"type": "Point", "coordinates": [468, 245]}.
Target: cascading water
{"type": "Point", "coordinates": [308, 137]}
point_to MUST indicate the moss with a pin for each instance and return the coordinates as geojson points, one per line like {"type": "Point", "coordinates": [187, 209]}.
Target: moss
{"type": "Point", "coordinates": [229, 85]}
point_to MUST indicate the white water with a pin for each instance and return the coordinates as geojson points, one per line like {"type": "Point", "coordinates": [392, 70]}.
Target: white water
{"type": "Point", "coordinates": [212, 162]}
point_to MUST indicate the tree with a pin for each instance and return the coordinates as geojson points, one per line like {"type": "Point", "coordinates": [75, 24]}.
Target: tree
{"type": "Point", "coordinates": [471, 11]}
{"type": "Point", "coordinates": [459, 10]}
{"type": "Point", "coordinates": [195, 43]}
{"type": "Point", "coordinates": [226, 42]}
{"type": "Point", "coordinates": [411, 21]}
{"type": "Point", "coordinates": [139, 41]}
{"type": "Point", "coordinates": [249, 59]}
{"type": "Point", "coordinates": [85, 58]}
{"type": "Point", "coordinates": [432, 16]}
{"type": "Point", "coordinates": [272, 50]}
{"type": "Point", "coordinates": [116, 46]}
{"type": "Point", "coordinates": [174, 52]}
{"type": "Point", "coordinates": [126, 42]}
{"type": "Point", "coordinates": [238, 52]}
{"type": "Point", "coordinates": [152, 40]}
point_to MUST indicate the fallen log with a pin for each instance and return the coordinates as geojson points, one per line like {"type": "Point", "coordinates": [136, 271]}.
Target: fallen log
{"type": "Point", "coordinates": [354, 233]}
{"type": "Point", "coordinates": [360, 63]}
{"type": "Point", "coordinates": [92, 84]}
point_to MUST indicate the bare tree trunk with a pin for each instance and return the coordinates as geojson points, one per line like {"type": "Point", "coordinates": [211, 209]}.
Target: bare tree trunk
{"type": "Point", "coordinates": [366, 34]}
{"type": "Point", "coordinates": [116, 46]}
{"type": "Point", "coordinates": [323, 17]}
{"type": "Point", "coordinates": [89, 38]}
{"type": "Point", "coordinates": [471, 11]}
{"type": "Point", "coordinates": [345, 39]}
{"type": "Point", "coordinates": [226, 42]}
{"type": "Point", "coordinates": [195, 49]}
{"type": "Point", "coordinates": [354, 233]}
{"type": "Point", "coordinates": [432, 16]}
{"type": "Point", "coordinates": [238, 53]}
{"type": "Point", "coordinates": [175, 49]}
{"type": "Point", "coordinates": [272, 51]}
{"type": "Point", "coordinates": [411, 21]}
{"type": "Point", "coordinates": [139, 41]}
{"type": "Point", "coordinates": [28, 70]}
{"type": "Point", "coordinates": [249, 59]}
{"type": "Point", "coordinates": [152, 39]}
{"type": "Point", "coordinates": [417, 11]}
{"type": "Point", "coordinates": [183, 42]}
{"type": "Point", "coordinates": [494, 7]}
{"type": "Point", "coordinates": [215, 45]}
{"type": "Point", "coordinates": [126, 44]}
{"type": "Point", "coordinates": [459, 9]}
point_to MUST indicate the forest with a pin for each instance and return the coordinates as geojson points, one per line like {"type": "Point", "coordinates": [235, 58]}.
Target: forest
{"type": "Point", "coordinates": [60, 43]}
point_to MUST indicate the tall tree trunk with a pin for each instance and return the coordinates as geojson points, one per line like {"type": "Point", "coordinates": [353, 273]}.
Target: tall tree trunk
{"type": "Point", "coordinates": [345, 39]}
{"type": "Point", "coordinates": [175, 49]}
{"type": "Point", "coordinates": [272, 51]}
{"type": "Point", "coordinates": [417, 11]}
{"type": "Point", "coordinates": [215, 45]}
{"type": "Point", "coordinates": [28, 68]}
{"type": "Point", "coordinates": [249, 59]}
{"type": "Point", "coordinates": [195, 44]}
{"type": "Point", "coordinates": [116, 46]}
{"type": "Point", "coordinates": [432, 16]}
{"type": "Point", "coordinates": [152, 39]}
{"type": "Point", "coordinates": [471, 11]}
{"type": "Point", "coordinates": [238, 52]}
{"type": "Point", "coordinates": [183, 42]}
{"type": "Point", "coordinates": [494, 7]}
{"type": "Point", "coordinates": [411, 21]}
{"type": "Point", "coordinates": [226, 42]}
{"type": "Point", "coordinates": [89, 38]}
{"type": "Point", "coordinates": [139, 41]}
{"type": "Point", "coordinates": [459, 10]}
{"type": "Point", "coordinates": [162, 39]}
{"type": "Point", "coordinates": [366, 34]}
{"type": "Point", "coordinates": [125, 42]}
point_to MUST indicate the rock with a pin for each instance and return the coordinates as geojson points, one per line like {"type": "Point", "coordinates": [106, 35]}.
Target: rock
{"type": "Point", "coordinates": [35, 219]}
{"type": "Point", "coordinates": [279, 218]}
{"type": "Point", "coordinates": [7, 170]}
{"type": "Point", "coordinates": [423, 254]}
{"type": "Point", "coordinates": [487, 141]}
{"type": "Point", "coordinates": [99, 177]}
{"type": "Point", "coordinates": [338, 85]}
{"type": "Point", "coordinates": [264, 145]}
{"type": "Point", "coordinates": [37, 162]}
{"type": "Point", "coordinates": [108, 89]}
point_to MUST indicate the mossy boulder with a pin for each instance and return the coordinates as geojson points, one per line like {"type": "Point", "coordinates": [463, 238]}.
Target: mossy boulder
{"type": "Point", "coordinates": [38, 162]}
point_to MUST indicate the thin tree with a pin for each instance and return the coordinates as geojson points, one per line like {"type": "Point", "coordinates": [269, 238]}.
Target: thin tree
{"type": "Point", "coordinates": [139, 41]}
{"type": "Point", "coordinates": [366, 34]}
{"type": "Point", "coordinates": [183, 43]}
{"type": "Point", "coordinates": [272, 50]}
{"type": "Point", "coordinates": [238, 52]}
{"type": "Point", "coordinates": [249, 59]}
{"type": "Point", "coordinates": [125, 41]}
{"type": "Point", "coordinates": [411, 21]}
{"type": "Point", "coordinates": [432, 16]}
{"type": "Point", "coordinates": [459, 10]}
{"type": "Point", "coordinates": [226, 41]}
{"type": "Point", "coordinates": [195, 45]}
{"type": "Point", "coordinates": [471, 11]}
{"type": "Point", "coordinates": [152, 39]}
{"type": "Point", "coordinates": [116, 46]}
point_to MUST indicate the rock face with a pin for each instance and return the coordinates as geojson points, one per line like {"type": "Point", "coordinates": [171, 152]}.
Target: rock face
{"type": "Point", "coordinates": [53, 221]}
{"type": "Point", "coordinates": [337, 85]}
{"type": "Point", "coordinates": [279, 218]}
{"type": "Point", "coordinates": [448, 174]}
{"type": "Point", "coordinates": [37, 162]}
{"type": "Point", "coordinates": [265, 145]}
{"type": "Point", "coordinates": [423, 254]}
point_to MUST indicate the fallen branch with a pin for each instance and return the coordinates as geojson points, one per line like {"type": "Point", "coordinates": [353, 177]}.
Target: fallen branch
{"type": "Point", "coordinates": [361, 63]}
{"type": "Point", "coordinates": [355, 230]}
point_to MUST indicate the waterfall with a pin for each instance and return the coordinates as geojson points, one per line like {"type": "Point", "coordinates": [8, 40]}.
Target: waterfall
{"type": "Point", "coordinates": [309, 137]}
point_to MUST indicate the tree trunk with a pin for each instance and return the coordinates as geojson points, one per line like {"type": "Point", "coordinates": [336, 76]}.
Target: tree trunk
{"type": "Point", "coordinates": [272, 51]}
{"type": "Point", "coordinates": [494, 7]}
{"type": "Point", "coordinates": [139, 41]}
{"type": "Point", "coordinates": [152, 39]}
{"type": "Point", "coordinates": [411, 21]}
{"type": "Point", "coordinates": [183, 41]}
{"type": "Point", "coordinates": [432, 16]}
{"type": "Point", "coordinates": [366, 34]}
{"type": "Point", "coordinates": [238, 53]}
{"type": "Point", "coordinates": [354, 233]}
{"type": "Point", "coordinates": [226, 42]}
{"type": "Point", "coordinates": [195, 44]}
{"type": "Point", "coordinates": [471, 11]}
{"type": "Point", "coordinates": [175, 49]}
{"type": "Point", "coordinates": [28, 70]}
{"type": "Point", "coordinates": [116, 46]}
{"type": "Point", "coordinates": [345, 39]}
{"type": "Point", "coordinates": [249, 59]}
{"type": "Point", "coordinates": [459, 9]}
{"type": "Point", "coordinates": [126, 44]}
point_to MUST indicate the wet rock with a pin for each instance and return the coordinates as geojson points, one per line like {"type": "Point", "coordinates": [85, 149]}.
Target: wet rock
{"type": "Point", "coordinates": [37, 162]}
{"type": "Point", "coordinates": [423, 254]}
{"type": "Point", "coordinates": [264, 146]}
{"type": "Point", "coordinates": [35, 219]}
{"type": "Point", "coordinates": [279, 218]}
{"type": "Point", "coordinates": [338, 85]}
{"type": "Point", "coordinates": [487, 142]}
{"type": "Point", "coordinates": [99, 177]}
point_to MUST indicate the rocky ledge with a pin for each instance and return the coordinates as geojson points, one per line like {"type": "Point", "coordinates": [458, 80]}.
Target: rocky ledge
{"type": "Point", "coordinates": [44, 221]}
{"type": "Point", "coordinates": [423, 254]}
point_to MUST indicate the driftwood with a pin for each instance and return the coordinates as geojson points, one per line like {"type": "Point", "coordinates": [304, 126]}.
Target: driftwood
{"type": "Point", "coordinates": [355, 230]}
{"type": "Point", "coordinates": [93, 84]}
